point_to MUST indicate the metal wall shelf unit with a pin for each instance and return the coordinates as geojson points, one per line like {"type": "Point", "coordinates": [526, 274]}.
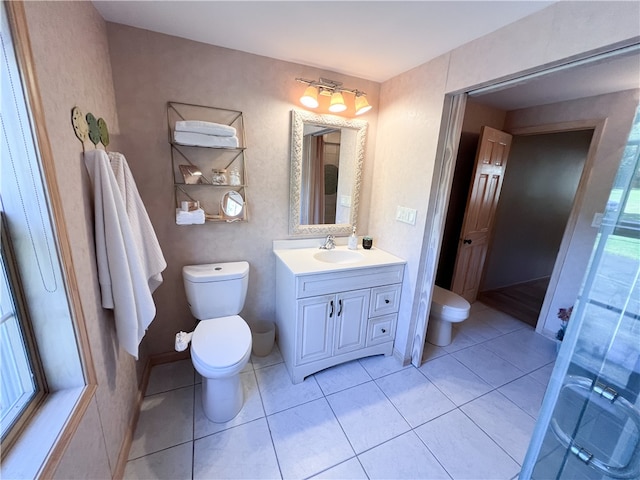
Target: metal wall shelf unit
{"type": "Point", "coordinates": [208, 173]}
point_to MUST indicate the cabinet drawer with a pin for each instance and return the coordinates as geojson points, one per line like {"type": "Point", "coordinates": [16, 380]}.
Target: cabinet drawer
{"type": "Point", "coordinates": [384, 300]}
{"type": "Point", "coordinates": [381, 329]}
{"type": "Point", "coordinates": [351, 279]}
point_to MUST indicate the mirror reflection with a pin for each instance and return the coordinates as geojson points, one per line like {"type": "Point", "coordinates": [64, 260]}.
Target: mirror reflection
{"type": "Point", "coordinates": [232, 204]}
{"type": "Point", "coordinates": [320, 169]}
{"type": "Point", "coordinates": [326, 163]}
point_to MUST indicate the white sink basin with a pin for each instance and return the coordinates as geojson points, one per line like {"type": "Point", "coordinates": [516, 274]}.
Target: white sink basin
{"type": "Point", "coordinates": [338, 256]}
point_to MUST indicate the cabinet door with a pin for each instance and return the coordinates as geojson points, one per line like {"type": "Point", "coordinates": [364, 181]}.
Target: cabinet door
{"type": "Point", "coordinates": [315, 328]}
{"type": "Point", "coordinates": [351, 320]}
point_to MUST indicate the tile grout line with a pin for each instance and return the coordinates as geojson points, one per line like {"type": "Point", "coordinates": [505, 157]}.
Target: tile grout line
{"type": "Point", "coordinates": [375, 381]}
{"type": "Point", "coordinates": [345, 436]}
{"type": "Point", "coordinates": [266, 419]}
{"type": "Point", "coordinates": [193, 431]}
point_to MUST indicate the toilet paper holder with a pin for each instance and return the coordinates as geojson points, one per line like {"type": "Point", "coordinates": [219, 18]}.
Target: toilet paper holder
{"type": "Point", "coordinates": [182, 340]}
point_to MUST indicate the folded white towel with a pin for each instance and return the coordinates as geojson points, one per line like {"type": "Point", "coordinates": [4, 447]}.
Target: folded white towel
{"type": "Point", "coordinates": [196, 213]}
{"type": "Point", "coordinates": [206, 128]}
{"type": "Point", "coordinates": [201, 140]}
{"type": "Point", "coordinates": [190, 218]}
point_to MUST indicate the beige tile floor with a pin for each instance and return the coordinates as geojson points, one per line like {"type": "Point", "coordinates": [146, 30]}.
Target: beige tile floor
{"type": "Point", "coordinates": [467, 413]}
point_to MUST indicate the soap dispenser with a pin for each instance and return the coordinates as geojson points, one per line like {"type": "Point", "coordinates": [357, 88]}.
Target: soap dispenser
{"type": "Point", "coordinates": [353, 240]}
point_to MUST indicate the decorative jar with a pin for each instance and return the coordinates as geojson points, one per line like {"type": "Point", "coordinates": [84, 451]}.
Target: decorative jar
{"type": "Point", "coordinates": [219, 177]}
{"type": "Point", "coordinates": [234, 177]}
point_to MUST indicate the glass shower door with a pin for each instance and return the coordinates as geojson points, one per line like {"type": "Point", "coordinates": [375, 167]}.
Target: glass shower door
{"type": "Point", "coordinates": [589, 424]}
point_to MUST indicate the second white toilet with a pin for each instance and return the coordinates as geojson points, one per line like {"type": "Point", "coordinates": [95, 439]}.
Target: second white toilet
{"type": "Point", "coordinates": [447, 308]}
{"type": "Point", "coordinates": [221, 342]}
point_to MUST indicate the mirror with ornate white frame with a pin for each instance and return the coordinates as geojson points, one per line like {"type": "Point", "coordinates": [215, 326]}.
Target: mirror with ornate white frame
{"type": "Point", "coordinates": [341, 176]}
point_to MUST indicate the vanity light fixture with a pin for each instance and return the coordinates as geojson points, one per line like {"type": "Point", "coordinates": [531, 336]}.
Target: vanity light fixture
{"type": "Point", "coordinates": [337, 103]}
{"type": "Point", "coordinates": [362, 105]}
{"type": "Point", "coordinates": [310, 97]}
{"type": "Point", "coordinates": [333, 89]}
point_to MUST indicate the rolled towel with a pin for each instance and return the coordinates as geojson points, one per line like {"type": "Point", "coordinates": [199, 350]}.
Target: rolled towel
{"type": "Point", "coordinates": [201, 140]}
{"type": "Point", "coordinates": [206, 128]}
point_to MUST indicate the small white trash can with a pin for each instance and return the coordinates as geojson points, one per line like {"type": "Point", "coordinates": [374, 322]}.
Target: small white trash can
{"type": "Point", "coordinates": [264, 334]}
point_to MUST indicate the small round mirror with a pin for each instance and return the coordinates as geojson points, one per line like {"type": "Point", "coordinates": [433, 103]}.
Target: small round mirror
{"type": "Point", "coordinates": [232, 204]}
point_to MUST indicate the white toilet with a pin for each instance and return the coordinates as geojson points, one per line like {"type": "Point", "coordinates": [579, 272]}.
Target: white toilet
{"type": "Point", "coordinates": [221, 342]}
{"type": "Point", "coordinates": [447, 308]}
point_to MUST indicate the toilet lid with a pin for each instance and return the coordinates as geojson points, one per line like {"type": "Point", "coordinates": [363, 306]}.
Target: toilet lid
{"type": "Point", "coordinates": [221, 342]}
{"type": "Point", "coordinates": [447, 302]}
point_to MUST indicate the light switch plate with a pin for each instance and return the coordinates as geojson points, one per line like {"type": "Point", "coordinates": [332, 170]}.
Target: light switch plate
{"type": "Point", "coordinates": [406, 215]}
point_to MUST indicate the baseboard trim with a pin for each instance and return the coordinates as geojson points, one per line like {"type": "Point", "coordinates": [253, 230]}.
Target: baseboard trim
{"type": "Point", "coordinates": [401, 358]}
{"type": "Point", "coordinates": [142, 387]}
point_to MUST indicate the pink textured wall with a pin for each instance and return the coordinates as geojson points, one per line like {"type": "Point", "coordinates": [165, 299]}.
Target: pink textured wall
{"type": "Point", "coordinates": [73, 69]}
{"type": "Point", "coordinates": [150, 69]}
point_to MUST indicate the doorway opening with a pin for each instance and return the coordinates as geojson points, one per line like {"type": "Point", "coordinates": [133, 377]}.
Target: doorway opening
{"type": "Point", "coordinates": [537, 197]}
{"type": "Point", "coordinates": [536, 200]}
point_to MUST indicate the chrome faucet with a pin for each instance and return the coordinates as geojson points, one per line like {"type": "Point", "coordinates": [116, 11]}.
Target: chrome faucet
{"type": "Point", "coordinates": [329, 243]}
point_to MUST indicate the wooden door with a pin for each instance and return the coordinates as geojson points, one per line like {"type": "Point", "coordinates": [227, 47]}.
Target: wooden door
{"type": "Point", "coordinates": [490, 165]}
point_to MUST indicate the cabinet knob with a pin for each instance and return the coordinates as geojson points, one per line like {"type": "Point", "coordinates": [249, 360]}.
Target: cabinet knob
{"type": "Point", "coordinates": [384, 330]}
{"type": "Point", "coordinates": [386, 300]}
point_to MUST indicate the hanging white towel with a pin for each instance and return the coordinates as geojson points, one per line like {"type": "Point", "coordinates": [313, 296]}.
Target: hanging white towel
{"type": "Point", "coordinates": [148, 246]}
{"type": "Point", "coordinates": [127, 272]}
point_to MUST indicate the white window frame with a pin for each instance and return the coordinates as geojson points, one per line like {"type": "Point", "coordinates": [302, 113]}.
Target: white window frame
{"type": "Point", "coordinates": [43, 440]}
{"type": "Point", "coordinates": [17, 348]}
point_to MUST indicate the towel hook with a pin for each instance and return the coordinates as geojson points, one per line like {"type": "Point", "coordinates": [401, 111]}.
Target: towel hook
{"type": "Point", "coordinates": [80, 125]}
{"type": "Point", "coordinates": [94, 130]}
{"type": "Point", "coordinates": [104, 132]}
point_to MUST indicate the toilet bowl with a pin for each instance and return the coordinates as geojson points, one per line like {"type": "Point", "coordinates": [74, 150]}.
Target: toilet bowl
{"type": "Point", "coordinates": [220, 349]}
{"type": "Point", "coordinates": [447, 308]}
{"type": "Point", "coordinates": [221, 342]}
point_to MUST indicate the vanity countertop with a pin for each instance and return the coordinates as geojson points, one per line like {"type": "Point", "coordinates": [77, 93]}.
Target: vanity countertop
{"type": "Point", "coordinates": [302, 261]}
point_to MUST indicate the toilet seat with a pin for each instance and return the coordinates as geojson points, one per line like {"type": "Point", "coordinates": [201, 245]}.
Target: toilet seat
{"type": "Point", "coordinates": [219, 344]}
{"type": "Point", "coordinates": [448, 305]}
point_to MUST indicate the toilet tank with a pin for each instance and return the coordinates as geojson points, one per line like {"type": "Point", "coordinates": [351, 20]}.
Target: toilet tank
{"type": "Point", "coordinates": [216, 289]}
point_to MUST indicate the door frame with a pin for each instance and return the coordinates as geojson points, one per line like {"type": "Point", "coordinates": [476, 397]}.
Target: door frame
{"type": "Point", "coordinates": [441, 181]}
{"type": "Point", "coordinates": [442, 178]}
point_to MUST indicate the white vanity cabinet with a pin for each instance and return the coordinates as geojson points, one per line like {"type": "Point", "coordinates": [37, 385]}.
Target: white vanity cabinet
{"type": "Point", "coordinates": [327, 318]}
